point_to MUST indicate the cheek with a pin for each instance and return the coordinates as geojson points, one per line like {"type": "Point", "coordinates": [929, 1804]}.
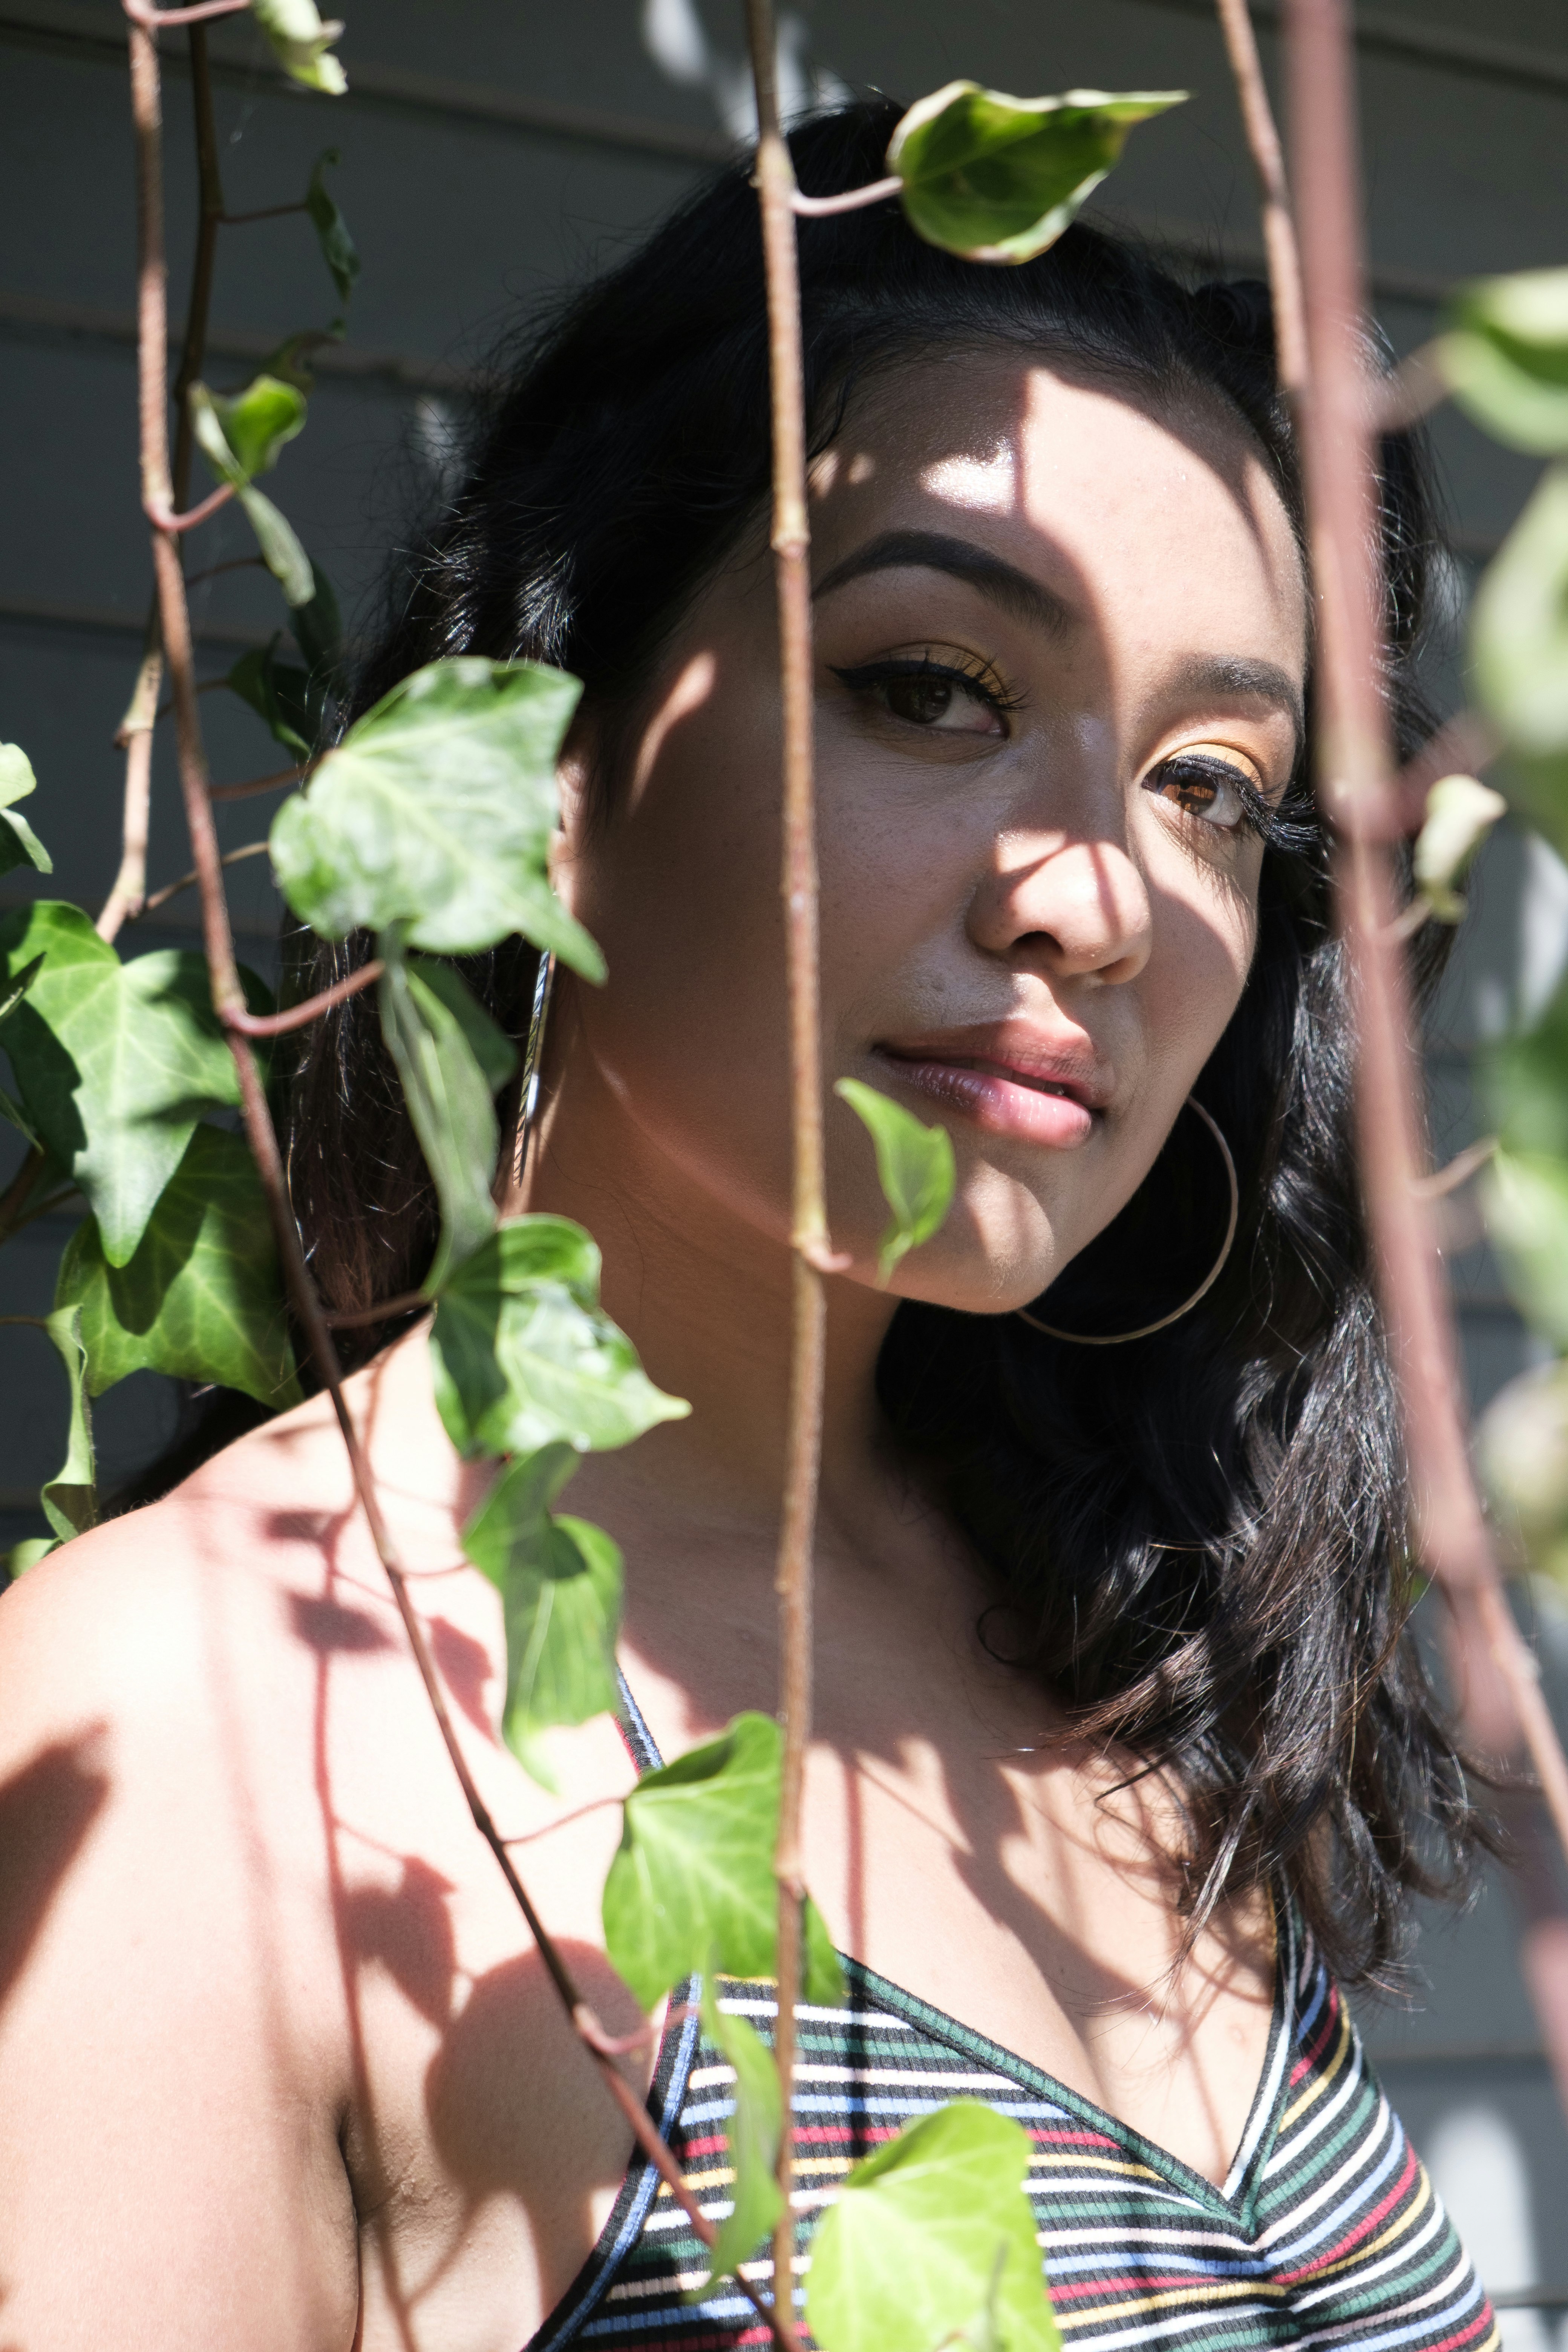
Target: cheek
{"type": "Point", "coordinates": [681, 892]}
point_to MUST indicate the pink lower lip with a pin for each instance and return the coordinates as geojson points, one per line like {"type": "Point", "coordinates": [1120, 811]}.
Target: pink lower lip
{"type": "Point", "coordinates": [1000, 1106]}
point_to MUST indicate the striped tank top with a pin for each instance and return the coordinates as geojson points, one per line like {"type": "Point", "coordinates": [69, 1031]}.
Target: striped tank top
{"type": "Point", "coordinates": [1327, 2230]}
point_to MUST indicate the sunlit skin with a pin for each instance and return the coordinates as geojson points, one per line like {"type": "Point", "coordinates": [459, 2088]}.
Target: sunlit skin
{"type": "Point", "coordinates": [281, 2067]}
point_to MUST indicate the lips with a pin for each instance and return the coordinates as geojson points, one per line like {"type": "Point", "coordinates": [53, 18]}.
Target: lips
{"type": "Point", "coordinates": [1009, 1080]}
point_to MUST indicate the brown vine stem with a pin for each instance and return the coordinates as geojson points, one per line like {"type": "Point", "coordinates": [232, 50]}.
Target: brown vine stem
{"type": "Point", "coordinates": [228, 999]}
{"type": "Point", "coordinates": [135, 733]}
{"type": "Point", "coordinates": [1451, 1537]}
{"type": "Point", "coordinates": [255, 784]}
{"type": "Point", "coordinates": [1278, 229]}
{"type": "Point", "coordinates": [161, 897]}
{"type": "Point", "coordinates": [300, 1017]}
{"type": "Point", "coordinates": [791, 550]}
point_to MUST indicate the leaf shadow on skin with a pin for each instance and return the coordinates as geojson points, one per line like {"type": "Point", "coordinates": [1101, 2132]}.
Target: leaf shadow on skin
{"type": "Point", "coordinates": [46, 1812]}
{"type": "Point", "coordinates": [325, 1625]}
{"type": "Point", "coordinates": [465, 1669]}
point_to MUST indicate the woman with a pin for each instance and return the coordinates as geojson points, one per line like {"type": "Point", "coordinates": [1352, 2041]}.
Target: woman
{"type": "Point", "coordinates": [1120, 1743]}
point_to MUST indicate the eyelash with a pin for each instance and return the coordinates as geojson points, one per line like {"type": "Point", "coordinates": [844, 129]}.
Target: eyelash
{"type": "Point", "coordinates": [1270, 821]}
{"type": "Point", "coordinates": [977, 681]}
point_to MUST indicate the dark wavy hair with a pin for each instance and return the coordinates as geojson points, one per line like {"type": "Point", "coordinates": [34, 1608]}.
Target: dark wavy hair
{"type": "Point", "coordinates": [1197, 1539]}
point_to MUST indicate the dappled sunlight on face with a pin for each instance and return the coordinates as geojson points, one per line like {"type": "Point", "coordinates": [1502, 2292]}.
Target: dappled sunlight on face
{"type": "Point", "coordinates": [1060, 639]}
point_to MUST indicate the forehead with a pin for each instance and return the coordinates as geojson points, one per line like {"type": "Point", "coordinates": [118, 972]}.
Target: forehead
{"type": "Point", "coordinates": [1158, 511]}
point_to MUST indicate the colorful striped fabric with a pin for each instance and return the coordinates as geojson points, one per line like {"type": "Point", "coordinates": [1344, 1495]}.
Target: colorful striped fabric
{"type": "Point", "coordinates": [1327, 2232]}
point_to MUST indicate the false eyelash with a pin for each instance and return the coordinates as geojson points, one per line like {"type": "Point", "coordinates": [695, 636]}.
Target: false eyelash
{"type": "Point", "coordinates": [975, 681]}
{"type": "Point", "coordinates": [1275, 823]}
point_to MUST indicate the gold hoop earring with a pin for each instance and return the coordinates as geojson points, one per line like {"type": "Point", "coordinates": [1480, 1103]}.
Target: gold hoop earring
{"type": "Point", "coordinates": [1119, 1339]}
{"type": "Point", "coordinates": [532, 1054]}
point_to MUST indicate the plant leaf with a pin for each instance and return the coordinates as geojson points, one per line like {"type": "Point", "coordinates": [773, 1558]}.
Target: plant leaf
{"type": "Point", "coordinates": [317, 628]}
{"type": "Point", "coordinates": [931, 2239]}
{"type": "Point", "coordinates": [115, 1062]}
{"type": "Point", "coordinates": [300, 40]}
{"type": "Point", "coordinates": [1525, 1080]}
{"type": "Point", "coordinates": [1505, 358]}
{"type": "Point", "coordinates": [1520, 623]}
{"type": "Point", "coordinates": [202, 1298]}
{"type": "Point", "coordinates": [1526, 1198]}
{"type": "Point", "coordinates": [691, 1888]}
{"type": "Point", "coordinates": [914, 1167]}
{"type": "Point", "coordinates": [243, 434]}
{"type": "Point", "coordinates": [998, 179]}
{"type": "Point", "coordinates": [281, 550]}
{"type": "Point", "coordinates": [753, 2129]}
{"type": "Point", "coordinates": [331, 230]}
{"type": "Point", "coordinates": [522, 1354]}
{"type": "Point", "coordinates": [560, 1583]}
{"type": "Point", "coordinates": [1522, 1445]}
{"type": "Point", "coordinates": [279, 695]}
{"type": "Point", "coordinates": [19, 844]}
{"type": "Point", "coordinates": [1460, 812]}
{"type": "Point", "coordinates": [70, 1499]}
{"type": "Point", "coordinates": [433, 815]}
{"type": "Point", "coordinates": [27, 1555]}
{"type": "Point", "coordinates": [451, 1057]}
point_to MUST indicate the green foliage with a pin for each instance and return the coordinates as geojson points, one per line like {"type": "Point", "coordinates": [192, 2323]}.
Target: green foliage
{"type": "Point", "coordinates": [998, 179]}
{"type": "Point", "coordinates": [19, 844]}
{"type": "Point", "coordinates": [332, 230]}
{"type": "Point", "coordinates": [523, 1355]}
{"type": "Point", "coordinates": [318, 627]}
{"type": "Point", "coordinates": [1505, 358]}
{"type": "Point", "coordinates": [433, 815]}
{"type": "Point", "coordinates": [1522, 1445]}
{"type": "Point", "coordinates": [281, 696]}
{"type": "Point", "coordinates": [1518, 635]}
{"type": "Point", "coordinates": [931, 2242]}
{"type": "Point", "coordinates": [70, 1497]}
{"type": "Point", "coordinates": [691, 1889]}
{"type": "Point", "coordinates": [1460, 812]}
{"type": "Point", "coordinates": [560, 1583]}
{"type": "Point", "coordinates": [1525, 1079]}
{"type": "Point", "coordinates": [115, 1062]}
{"type": "Point", "coordinates": [451, 1058]}
{"type": "Point", "coordinates": [914, 1167]}
{"type": "Point", "coordinates": [300, 41]}
{"type": "Point", "coordinates": [752, 2131]}
{"type": "Point", "coordinates": [242, 437]}
{"type": "Point", "coordinates": [1527, 1214]}
{"type": "Point", "coordinates": [202, 1298]}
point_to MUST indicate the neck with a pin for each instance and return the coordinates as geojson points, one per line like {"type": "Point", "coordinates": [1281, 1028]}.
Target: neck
{"type": "Point", "coordinates": [706, 1297]}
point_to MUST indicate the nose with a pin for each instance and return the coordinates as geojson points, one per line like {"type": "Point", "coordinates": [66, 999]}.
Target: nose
{"type": "Point", "coordinates": [1069, 905]}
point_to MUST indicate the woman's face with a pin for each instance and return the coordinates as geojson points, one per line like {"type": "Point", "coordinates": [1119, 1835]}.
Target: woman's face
{"type": "Point", "coordinates": [1054, 629]}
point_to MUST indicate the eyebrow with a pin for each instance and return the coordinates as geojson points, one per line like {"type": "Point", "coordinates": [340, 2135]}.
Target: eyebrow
{"type": "Point", "coordinates": [1224, 677]}
{"type": "Point", "coordinates": [1014, 591]}
{"type": "Point", "coordinates": [1230, 678]}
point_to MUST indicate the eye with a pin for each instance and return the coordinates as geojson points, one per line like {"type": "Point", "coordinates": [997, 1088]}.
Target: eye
{"type": "Point", "coordinates": [943, 698]}
{"type": "Point", "coordinates": [1217, 785]}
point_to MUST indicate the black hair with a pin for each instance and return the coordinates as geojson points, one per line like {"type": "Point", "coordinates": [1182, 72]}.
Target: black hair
{"type": "Point", "coordinates": [1197, 1539]}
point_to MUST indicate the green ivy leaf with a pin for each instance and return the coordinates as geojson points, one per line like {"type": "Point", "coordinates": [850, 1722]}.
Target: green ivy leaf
{"type": "Point", "coordinates": [70, 1499]}
{"type": "Point", "coordinates": [932, 2241]}
{"type": "Point", "coordinates": [26, 1555]}
{"type": "Point", "coordinates": [434, 813]}
{"type": "Point", "coordinates": [914, 1167]}
{"type": "Point", "coordinates": [752, 2130]}
{"type": "Point", "coordinates": [522, 1354]}
{"type": "Point", "coordinates": [116, 1063]}
{"type": "Point", "coordinates": [1518, 638]}
{"type": "Point", "coordinates": [1460, 812]}
{"type": "Point", "coordinates": [998, 179]}
{"type": "Point", "coordinates": [300, 40]}
{"type": "Point", "coordinates": [280, 696]}
{"type": "Point", "coordinates": [19, 844]}
{"type": "Point", "coordinates": [1526, 1197]}
{"type": "Point", "coordinates": [560, 1583]}
{"type": "Point", "coordinates": [1505, 358]}
{"type": "Point", "coordinates": [691, 1888]}
{"type": "Point", "coordinates": [317, 628]}
{"type": "Point", "coordinates": [451, 1058]}
{"type": "Point", "coordinates": [1521, 1443]}
{"type": "Point", "coordinates": [242, 437]}
{"type": "Point", "coordinates": [1525, 1081]}
{"type": "Point", "coordinates": [202, 1298]}
{"type": "Point", "coordinates": [331, 230]}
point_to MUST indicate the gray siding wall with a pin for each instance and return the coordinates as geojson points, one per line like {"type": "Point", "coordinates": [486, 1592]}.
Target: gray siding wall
{"type": "Point", "coordinates": [495, 150]}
